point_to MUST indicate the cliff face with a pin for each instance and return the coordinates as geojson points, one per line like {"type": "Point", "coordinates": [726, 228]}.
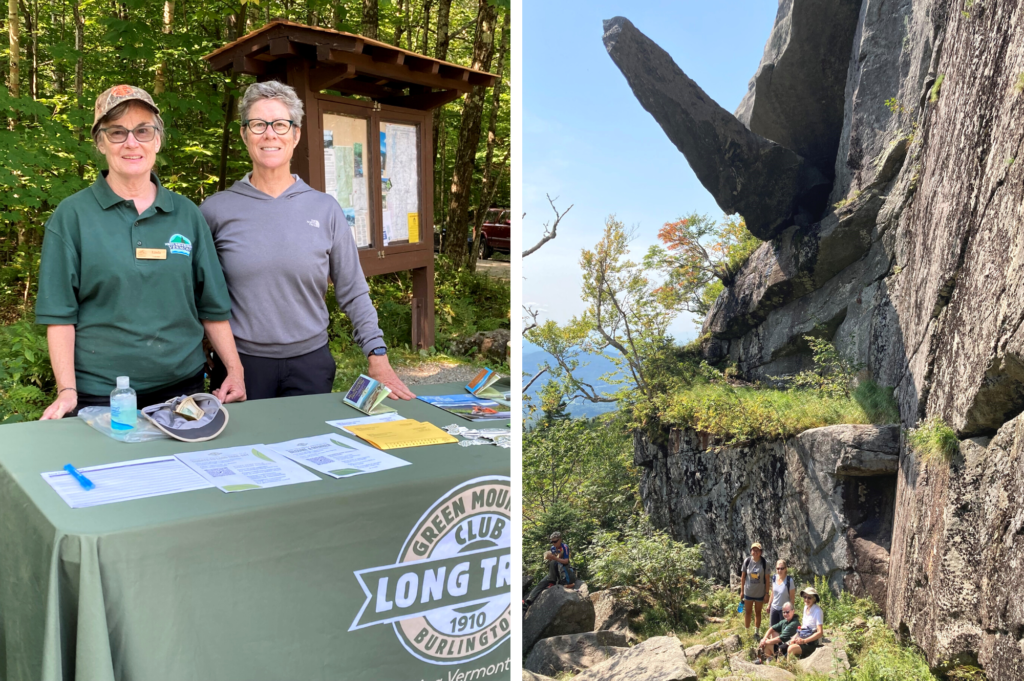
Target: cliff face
{"type": "Point", "coordinates": [916, 273]}
{"type": "Point", "coordinates": [822, 501]}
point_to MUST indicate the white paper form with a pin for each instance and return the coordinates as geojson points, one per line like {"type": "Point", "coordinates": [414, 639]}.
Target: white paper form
{"type": "Point", "coordinates": [337, 456]}
{"type": "Point", "coordinates": [236, 469]}
{"type": "Point", "coordinates": [343, 424]}
{"type": "Point", "coordinates": [126, 480]}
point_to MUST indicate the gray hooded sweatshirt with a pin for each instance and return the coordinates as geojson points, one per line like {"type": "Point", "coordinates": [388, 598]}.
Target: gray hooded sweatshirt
{"type": "Point", "coordinates": [277, 255]}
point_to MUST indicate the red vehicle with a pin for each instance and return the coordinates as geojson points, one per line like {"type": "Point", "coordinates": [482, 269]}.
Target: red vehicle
{"type": "Point", "coordinates": [497, 229]}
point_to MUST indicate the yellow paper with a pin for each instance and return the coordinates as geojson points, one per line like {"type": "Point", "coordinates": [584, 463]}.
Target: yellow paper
{"type": "Point", "coordinates": [414, 227]}
{"type": "Point", "coordinates": [399, 434]}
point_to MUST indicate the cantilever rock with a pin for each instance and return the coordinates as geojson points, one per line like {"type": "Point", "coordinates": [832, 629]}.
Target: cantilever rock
{"type": "Point", "coordinates": [770, 186]}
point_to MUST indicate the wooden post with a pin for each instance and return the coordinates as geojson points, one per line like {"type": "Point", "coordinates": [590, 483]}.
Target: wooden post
{"type": "Point", "coordinates": [423, 306]}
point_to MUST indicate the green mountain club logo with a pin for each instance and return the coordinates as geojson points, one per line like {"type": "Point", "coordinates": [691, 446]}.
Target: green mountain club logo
{"type": "Point", "coordinates": [447, 596]}
{"type": "Point", "coordinates": [180, 244]}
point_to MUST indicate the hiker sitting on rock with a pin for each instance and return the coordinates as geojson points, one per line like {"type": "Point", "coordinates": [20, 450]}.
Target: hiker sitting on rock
{"type": "Point", "coordinates": [557, 559]}
{"type": "Point", "coordinates": [754, 586]}
{"type": "Point", "coordinates": [781, 633]}
{"type": "Point", "coordinates": [560, 553]}
{"type": "Point", "coordinates": [808, 636]}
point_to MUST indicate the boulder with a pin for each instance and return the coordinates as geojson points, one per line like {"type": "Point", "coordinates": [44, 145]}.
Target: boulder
{"type": "Point", "coordinates": [556, 612]}
{"type": "Point", "coordinates": [693, 653]}
{"type": "Point", "coordinates": [611, 613]}
{"type": "Point", "coordinates": [827, 660]}
{"type": "Point", "coordinates": [489, 345]}
{"type": "Point", "coordinates": [796, 98]}
{"type": "Point", "coordinates": [659, 658]}
{"type": "Point", "coordinates": [574, 652]}
{"type": "Point", "coordinates": [770, 185]}
{"type": "Point", "coordinates": [740, 664]}
{"type": "Point", "coordinates": [717, 662]}
{"type": "Point", "coordinates": [732, 643]}
{"type": "Point", "coordinates": [530, 676]}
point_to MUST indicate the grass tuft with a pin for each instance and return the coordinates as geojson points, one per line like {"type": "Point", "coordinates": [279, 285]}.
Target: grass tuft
{"type": "Point", "coordinates": [934, 441]}
{"type": "Point", "coordinates": [877, 401]}
{"type": "Point", "coordinates": [933, 97]}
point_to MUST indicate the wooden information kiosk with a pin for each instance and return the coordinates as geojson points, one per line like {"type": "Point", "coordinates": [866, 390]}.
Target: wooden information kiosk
{"type": "Point", "coordinates": [377, 126]}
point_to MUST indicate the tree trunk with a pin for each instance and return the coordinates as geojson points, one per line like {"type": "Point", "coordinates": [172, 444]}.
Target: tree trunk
{"type": "Point", "coordinates": [13, 24]}
{"type": "Point", "coordinates": [456, 227]}
{"type": "Point", "coordinates": [400, 25]}
{"type": "Point", "coordinates": [370, 19]}
{"type": "Point", "coordinates": [491, 179]}
{"type": "Point", "coordinates": [236, 27]}
{"type": "Point", "coordinates": [425, 26]}
{"type": "Point", "coordinates": [161, 71]}
{"type": "Point", "coordinates": [76, 15]}
{"type": "Point", "coordinates": [34, 75]}
{"type": "Point", "coordinates": [444, 9]}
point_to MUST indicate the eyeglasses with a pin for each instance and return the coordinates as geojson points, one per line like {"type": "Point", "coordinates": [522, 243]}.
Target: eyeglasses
{"type": "Point", "coordinates": [780, 568]}
{"type": "Point", "coordinates": [786, 612]}
{"type": "Point", "coordinates": [258, 127]}
{"type": "Point", "coordinates": [118, 134]}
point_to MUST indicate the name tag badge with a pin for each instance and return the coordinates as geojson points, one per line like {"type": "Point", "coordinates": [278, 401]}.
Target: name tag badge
{"type": "Point", "coordinates": [151, 254]}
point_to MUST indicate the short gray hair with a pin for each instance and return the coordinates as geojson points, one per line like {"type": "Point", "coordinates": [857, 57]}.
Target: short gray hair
{"type": "Point", "coordinates": [271, 89]}
{"type": "Point", "coordinates": [120, 110]}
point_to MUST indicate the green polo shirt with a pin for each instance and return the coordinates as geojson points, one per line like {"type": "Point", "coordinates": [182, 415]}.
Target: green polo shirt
{"type": "Point", "coordinates": [786, 629]}
{"type": "Point", "coordinates": [133, 316]}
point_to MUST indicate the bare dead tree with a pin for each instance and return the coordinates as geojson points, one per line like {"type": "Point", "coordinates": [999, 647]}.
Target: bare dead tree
{"type": "Point", "coordinates": [550, 229]}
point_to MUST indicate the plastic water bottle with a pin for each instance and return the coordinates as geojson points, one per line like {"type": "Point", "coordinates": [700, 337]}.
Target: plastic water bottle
{"type": "Point", "coordinates": [740, 608]}
{"type": "Point", "coordinates": [123, 412]}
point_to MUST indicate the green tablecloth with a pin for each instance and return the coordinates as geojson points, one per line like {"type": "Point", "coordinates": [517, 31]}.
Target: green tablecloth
{"type": "Point", "coordinates": [253, 585]}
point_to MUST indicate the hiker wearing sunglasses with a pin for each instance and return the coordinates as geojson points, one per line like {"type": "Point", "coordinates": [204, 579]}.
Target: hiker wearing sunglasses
{"type": "Point", "coordinates": [783, 590]}
{"type": "Point", "coordinates": [779, 633]}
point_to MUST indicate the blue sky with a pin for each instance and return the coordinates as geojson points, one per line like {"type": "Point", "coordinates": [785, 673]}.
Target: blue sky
{"type": "Point", "coordinates": [588, 142]}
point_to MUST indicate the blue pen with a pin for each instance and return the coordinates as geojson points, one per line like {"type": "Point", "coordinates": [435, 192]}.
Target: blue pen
{"type": "Point", "coordinates": [85, 482]}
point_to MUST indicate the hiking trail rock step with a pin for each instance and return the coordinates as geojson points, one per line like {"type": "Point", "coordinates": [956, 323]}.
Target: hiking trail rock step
{"type": "Point", "coordinates": [740, 664]}
{"type": "Point", "coordinates": [659, 658]}
{"type": "Point", "coordinates": [828, 659]}
{"type": "Point", "coordinates": [557, 612]}
{"type": "Point", "coordinates": [611, 613]}
{"type": "Point", "coordinates": [574, 652]}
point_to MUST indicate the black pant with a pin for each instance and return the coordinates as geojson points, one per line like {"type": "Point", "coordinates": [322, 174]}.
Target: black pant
{"type": "Point", "coordinates": [266, 377]}
{"type": "Point", "coordinates": [189, 386]}
{"type": "Point", "coordinates": [548, 580]}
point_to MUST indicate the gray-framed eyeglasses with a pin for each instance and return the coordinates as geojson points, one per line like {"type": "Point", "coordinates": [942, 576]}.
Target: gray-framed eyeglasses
{"type": "Point", "coordinates": [258, 126]}
{"type": "Point", "coordinates": [142, 133]}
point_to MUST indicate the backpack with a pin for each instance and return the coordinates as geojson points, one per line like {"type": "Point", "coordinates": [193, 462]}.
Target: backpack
{"type": "Point", "coordinates": [764, 565]}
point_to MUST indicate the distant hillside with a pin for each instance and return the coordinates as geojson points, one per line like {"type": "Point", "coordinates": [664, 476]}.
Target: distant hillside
{"type": "Point", "coordinates": [596, 366]}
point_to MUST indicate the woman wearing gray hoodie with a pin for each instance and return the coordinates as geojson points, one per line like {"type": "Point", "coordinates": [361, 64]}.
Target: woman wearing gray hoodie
{"type": "Point", "coordinates": [279, 241]}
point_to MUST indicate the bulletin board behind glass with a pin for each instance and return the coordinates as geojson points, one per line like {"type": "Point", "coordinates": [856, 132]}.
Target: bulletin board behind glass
{"type": "Point", "coordinates": [345, 161]}
{"type": "Point", "coordinates": [400, 183]}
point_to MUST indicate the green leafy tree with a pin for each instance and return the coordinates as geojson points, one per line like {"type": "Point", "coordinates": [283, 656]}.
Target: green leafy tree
{"type": "Point", "coordinates": [701, 257]}
{"type": "Point", "coordinates": [661, 568]}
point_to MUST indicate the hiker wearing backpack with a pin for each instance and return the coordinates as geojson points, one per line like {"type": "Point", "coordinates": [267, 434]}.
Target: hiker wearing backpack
{"type": "Point", "coordinates": [754, 586]}
{"type": "Point", "coordinates": [783, 590]}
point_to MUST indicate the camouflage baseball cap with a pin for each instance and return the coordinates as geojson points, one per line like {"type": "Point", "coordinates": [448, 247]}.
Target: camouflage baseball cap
{"type": "Point", "coordinates": [117, 95]}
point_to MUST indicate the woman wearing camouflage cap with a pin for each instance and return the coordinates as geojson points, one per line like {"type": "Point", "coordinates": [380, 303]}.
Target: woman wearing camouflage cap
{"type": "Point", "coordinates": [129, 280]}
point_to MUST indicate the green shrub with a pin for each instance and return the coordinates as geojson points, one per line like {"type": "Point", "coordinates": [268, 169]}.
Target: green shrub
{"type": "Point", "coordinates": [659, 567]}
{"type": "Point", "coordinates": [832, 374]}
{"type": "Point", "coordinates": [934, 441]}
{"type": "Point", "coordinates": [26, 378]}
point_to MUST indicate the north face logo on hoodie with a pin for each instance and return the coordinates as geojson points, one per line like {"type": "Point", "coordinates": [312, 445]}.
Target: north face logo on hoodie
{"type": "Point", "coordinates": [313, 223]}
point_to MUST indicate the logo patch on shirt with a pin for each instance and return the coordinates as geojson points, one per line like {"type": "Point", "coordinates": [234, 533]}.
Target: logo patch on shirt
{"type": "Point", "coordinates": [313, 223]}
{"type": "Point", "coordinates": [180, 244]}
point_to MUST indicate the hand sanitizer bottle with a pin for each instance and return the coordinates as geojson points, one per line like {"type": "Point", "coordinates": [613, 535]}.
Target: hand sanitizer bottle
{"type": "Point", "coordinates": [123, 414]}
